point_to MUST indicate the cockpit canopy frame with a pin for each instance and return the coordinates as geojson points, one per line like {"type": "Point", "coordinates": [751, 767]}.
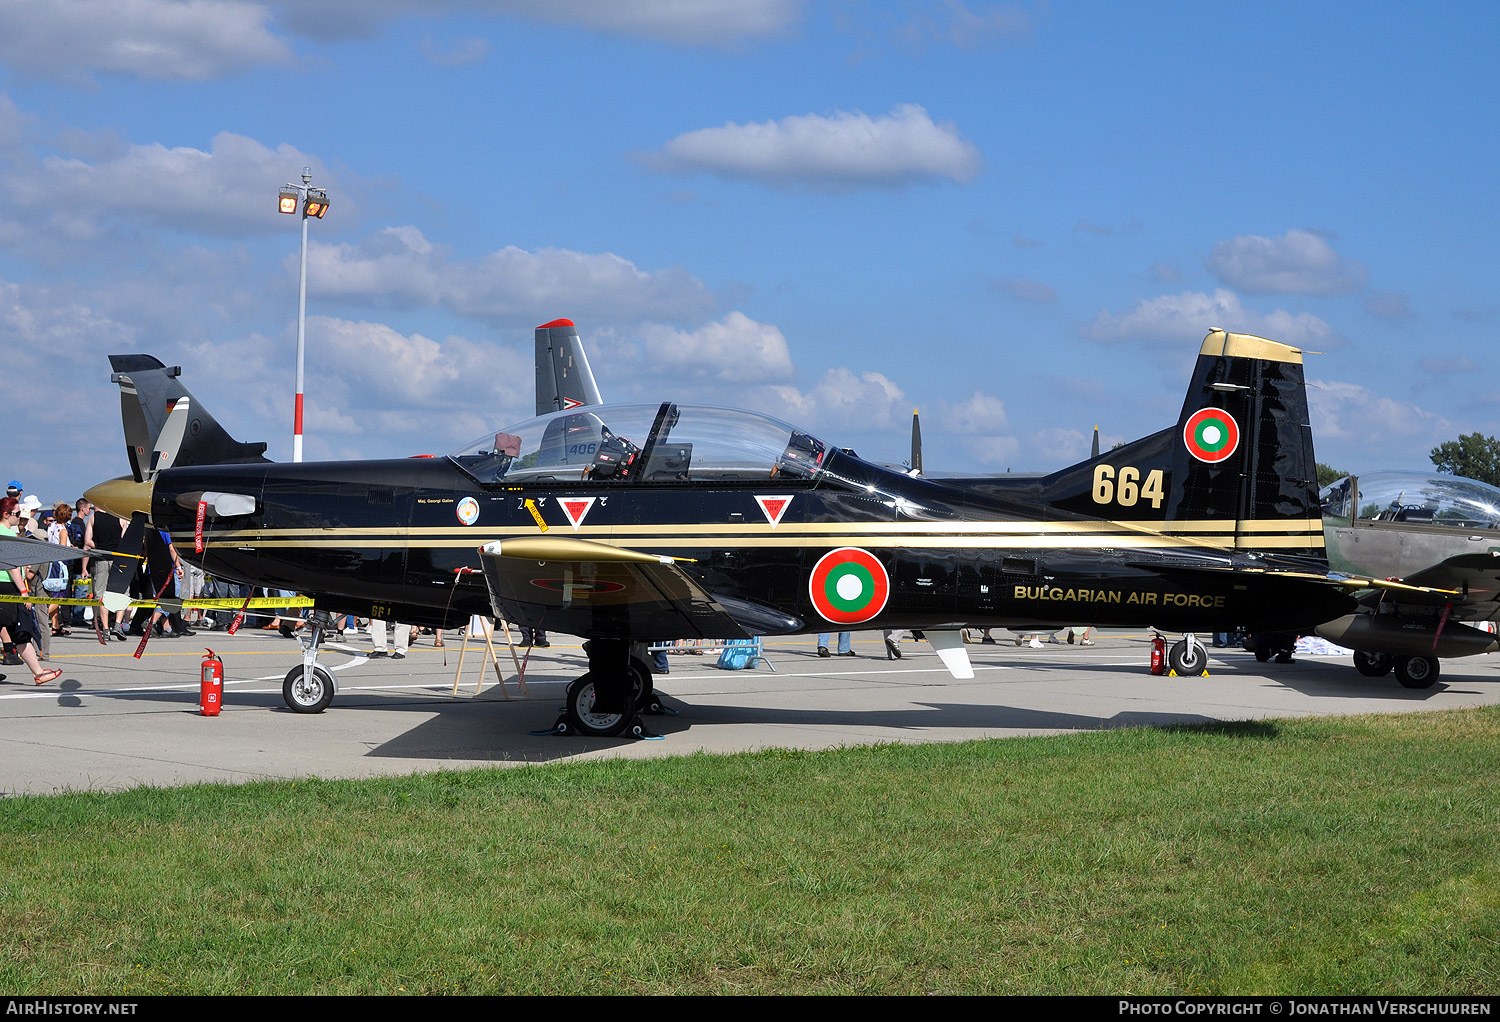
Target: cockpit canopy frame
{"type": "Point", "coordinates": [664, 444]}
{"type": "Point", "coordinates": [1413, 498]}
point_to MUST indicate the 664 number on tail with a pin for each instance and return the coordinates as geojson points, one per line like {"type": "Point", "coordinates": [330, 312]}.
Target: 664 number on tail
{"type": "Point", "coordinates": [1126, 487]}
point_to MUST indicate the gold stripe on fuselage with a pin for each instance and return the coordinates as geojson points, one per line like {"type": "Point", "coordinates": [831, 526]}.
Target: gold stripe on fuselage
{"type": "Point", "coordinates": [1020, 542]}
{"type": "Point", "coordinates": [821, 530]}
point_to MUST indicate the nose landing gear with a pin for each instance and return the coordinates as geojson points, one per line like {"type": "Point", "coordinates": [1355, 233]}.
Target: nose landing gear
{"type": "Point", "coordinates": [309, 688]}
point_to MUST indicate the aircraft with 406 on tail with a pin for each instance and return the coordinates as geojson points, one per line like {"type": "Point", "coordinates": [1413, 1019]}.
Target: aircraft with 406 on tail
{"type": "Point", "coordinates": [625, 524]}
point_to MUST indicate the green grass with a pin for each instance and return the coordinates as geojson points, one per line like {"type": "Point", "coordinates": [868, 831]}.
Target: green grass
{"type": "Point", "coordinates": [1311, 856]}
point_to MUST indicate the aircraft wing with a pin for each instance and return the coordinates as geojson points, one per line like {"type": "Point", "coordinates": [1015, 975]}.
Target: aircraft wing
{"type": "Point", "coordinates": [1471, 582]}
{"type": "Point", "coordinates": [19, 552]}
{"type": "Point", "coordinates": [592, 589]}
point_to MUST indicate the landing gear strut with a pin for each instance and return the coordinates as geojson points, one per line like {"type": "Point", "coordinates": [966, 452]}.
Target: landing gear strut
{"type": "Point", "coordinates": [309, 688]}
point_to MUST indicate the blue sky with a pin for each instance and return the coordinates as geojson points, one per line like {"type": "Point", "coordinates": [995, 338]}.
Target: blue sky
{"type": "Point", "coordinates": [1019, 218]}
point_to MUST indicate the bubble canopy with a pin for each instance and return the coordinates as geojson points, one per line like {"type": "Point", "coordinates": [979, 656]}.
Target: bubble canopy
{"type": "Point", "coordinates": [662, 443]}
{"type": "Point", "coordinates": [1414, 498]}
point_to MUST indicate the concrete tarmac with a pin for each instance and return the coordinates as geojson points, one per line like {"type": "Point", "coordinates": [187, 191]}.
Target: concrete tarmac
{"type": "Point", "coordinates": [114, 722]}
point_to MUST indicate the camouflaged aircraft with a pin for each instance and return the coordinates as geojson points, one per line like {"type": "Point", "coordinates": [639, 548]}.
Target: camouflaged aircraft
{"type": "Point", "coordinates": [1438, 534]}
{"type": "Point", "coordinates": [628, 523]}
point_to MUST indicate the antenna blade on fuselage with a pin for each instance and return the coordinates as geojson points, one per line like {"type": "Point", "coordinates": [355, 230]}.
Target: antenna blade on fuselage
{"type": "Point", "coordinates": [916, 443]}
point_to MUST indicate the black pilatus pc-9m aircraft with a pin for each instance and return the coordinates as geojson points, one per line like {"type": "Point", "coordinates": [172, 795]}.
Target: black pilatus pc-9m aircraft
{"type": "Point", "coordinates": [632, 523]}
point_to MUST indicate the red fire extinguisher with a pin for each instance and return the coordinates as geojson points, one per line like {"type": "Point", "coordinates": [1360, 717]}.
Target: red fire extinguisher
{"type": "Point", "coordinates": [1158, 654]}
{"type": "Point", "coordinates": [211, 685]}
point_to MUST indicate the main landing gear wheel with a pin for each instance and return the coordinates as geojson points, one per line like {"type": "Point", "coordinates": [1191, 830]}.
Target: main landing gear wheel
{"type": "Point", "coordinates": [643, 684]}
{"type": "Point", "coordinates": [1417, 671]}
{"type": "Point", "coordinates": [1187, 660]}
{"type": "Point", "coordinates": [1373, 665]}
{"type": "Point", "coordinates": [1262, 654]}
{"type": "Point", "coordinates": [311, 694]}
{"type": "Point", "coordinates": [578, 710]}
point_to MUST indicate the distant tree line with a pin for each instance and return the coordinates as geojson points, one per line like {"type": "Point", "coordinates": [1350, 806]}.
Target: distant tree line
{"type": "Point", "coordinates": [1472, 455]}
{"type": "Point", "coordinates": [1327, 474]}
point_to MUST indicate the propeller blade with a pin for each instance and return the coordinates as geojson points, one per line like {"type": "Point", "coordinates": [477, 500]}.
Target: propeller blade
{"type": "Point", "coordinates": [1095, 453]}
{"type": "Point", "coordinates": [116, 595]}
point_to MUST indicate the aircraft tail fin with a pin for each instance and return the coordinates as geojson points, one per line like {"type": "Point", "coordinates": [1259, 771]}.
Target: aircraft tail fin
{"type": "Point", "coordinates": [165, 425]}
{"type": "Point", "coordinates": [563, 377]}
{"type": "Point", "coordinates": [1237, 470]}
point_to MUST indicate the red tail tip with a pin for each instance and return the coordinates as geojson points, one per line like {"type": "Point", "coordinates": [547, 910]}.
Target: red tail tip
{"type": "Point", "coordinates": [557, 322]}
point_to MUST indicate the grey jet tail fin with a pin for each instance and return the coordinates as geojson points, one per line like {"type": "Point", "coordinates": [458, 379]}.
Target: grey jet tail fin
{"type": "Point", "coordinates": [563, 377]}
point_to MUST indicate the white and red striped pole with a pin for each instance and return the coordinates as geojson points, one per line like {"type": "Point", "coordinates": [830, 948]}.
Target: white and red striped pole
{"type": "Point", "coordinates": [309, 201]}
{"type": "Point", "coordinates": [301, 338]}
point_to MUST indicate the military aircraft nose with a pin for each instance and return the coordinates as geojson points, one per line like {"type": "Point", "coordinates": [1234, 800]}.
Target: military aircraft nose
{"type": "Point", "coordinates": [123, 496]}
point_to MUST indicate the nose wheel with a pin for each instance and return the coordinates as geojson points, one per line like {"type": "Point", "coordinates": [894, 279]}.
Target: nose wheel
{"type": "Point", "coordinates": [1187, 656]}
{"type": "Point", "coordinates": [308, 691]}
{"type": "Point", "coordinates": [309, 687]}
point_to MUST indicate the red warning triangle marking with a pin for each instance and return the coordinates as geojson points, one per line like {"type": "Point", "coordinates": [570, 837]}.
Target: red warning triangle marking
{"type": "Point", "coordinates": [774, 508]}
{"type": "Point", "coordinates": [576, 508]}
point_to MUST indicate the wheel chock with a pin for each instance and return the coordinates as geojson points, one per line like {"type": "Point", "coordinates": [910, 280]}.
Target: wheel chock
{"type": "Point", "coordinates": [636, 730]}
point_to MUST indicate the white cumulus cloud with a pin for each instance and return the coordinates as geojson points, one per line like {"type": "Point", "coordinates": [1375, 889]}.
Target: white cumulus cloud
{"type": "Point", "coordinates": [191, 40]}
{"type": "Point", "coordinates": [226, 191]}
{"type": "Point", "coordinates": [1359, 425]}
{"type": "Point", "coordinates": [1297, 263]}
{"type": "Point", "coordinates": [842, 399]}
{"type": "Point", "coordinates": [1057, 446]}
{"type": "Point", "coordinates": [1172, 320]}
{"type": "Point", "coordinates": [978, 414]}
{"type": "Point", "coordinates": [399, 267]}
{"type": "Point", "coordinates": [838, 151]}
{"type": "Point", "coordinates": [735, 349]}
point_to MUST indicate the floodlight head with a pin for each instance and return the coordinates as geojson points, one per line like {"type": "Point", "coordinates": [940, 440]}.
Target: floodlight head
{"type": "Point", "coordinates": [317, 203]}
{"type": "Point", "coordinates": [288, 200]}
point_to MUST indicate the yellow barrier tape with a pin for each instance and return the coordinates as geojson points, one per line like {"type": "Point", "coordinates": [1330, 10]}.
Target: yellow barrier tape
{"type": "Point", "coordinates": [258, 603]}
